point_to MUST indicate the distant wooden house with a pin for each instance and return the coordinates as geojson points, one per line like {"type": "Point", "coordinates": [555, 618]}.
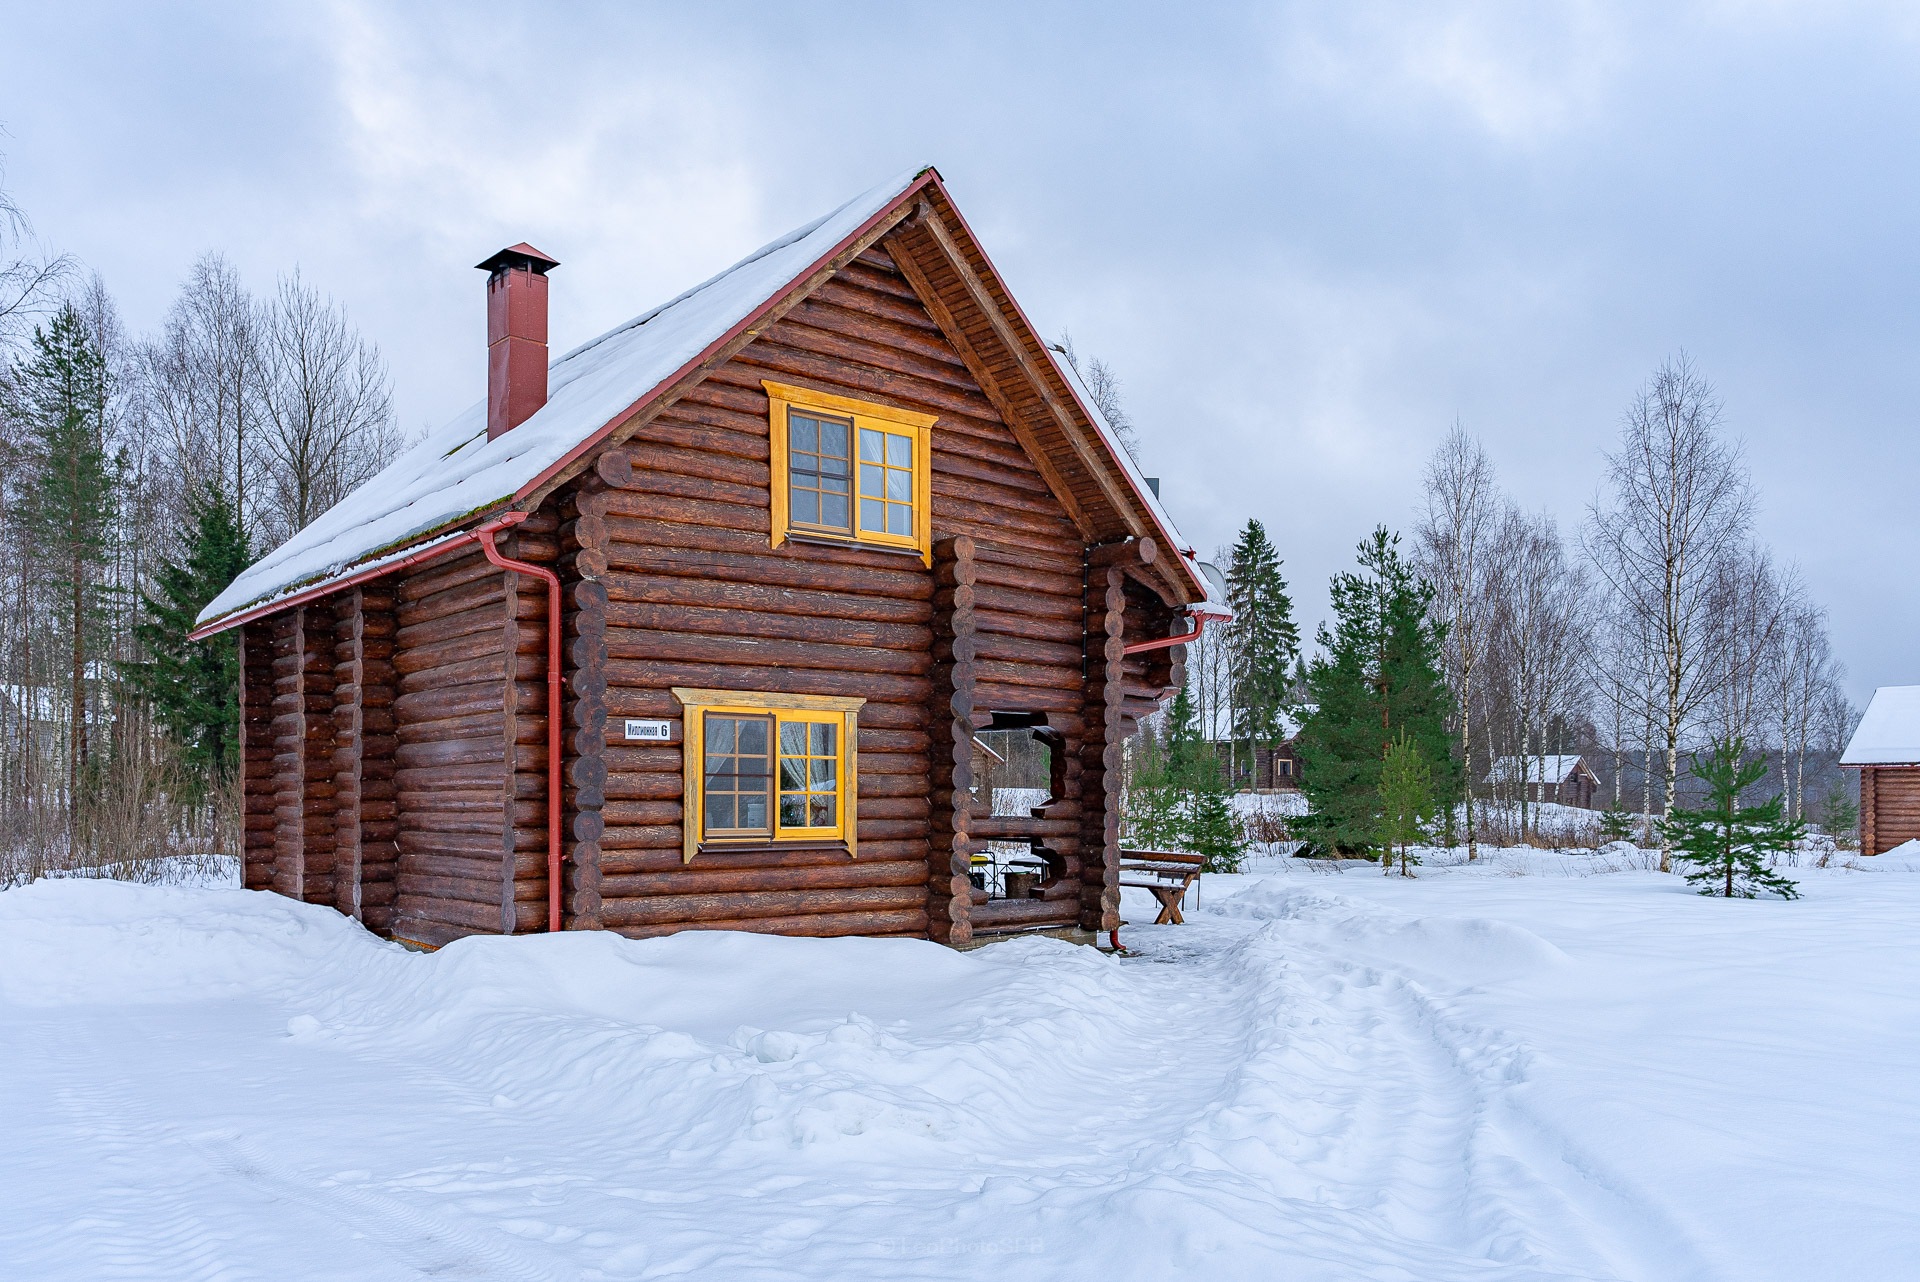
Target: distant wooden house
{"type": "Point", "coordinates": [1885, 749]}
{"type": "Point", "coordinates": [1259, 767]}
{"type": "Point", "coordinates": [1560, 778]}
{"type": "Point", "coordinates": [694, 627]}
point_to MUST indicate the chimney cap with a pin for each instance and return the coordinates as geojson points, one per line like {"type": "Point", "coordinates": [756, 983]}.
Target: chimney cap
{"type": "Point", "coordinates": [522, 256]}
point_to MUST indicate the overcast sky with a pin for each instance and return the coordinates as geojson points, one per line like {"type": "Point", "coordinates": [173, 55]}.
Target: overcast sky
{"type": "Point", "coordinates": [1308, 237]}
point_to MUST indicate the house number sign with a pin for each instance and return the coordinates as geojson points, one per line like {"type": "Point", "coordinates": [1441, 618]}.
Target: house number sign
{"type": "Point", "coordinates": [650, 731]}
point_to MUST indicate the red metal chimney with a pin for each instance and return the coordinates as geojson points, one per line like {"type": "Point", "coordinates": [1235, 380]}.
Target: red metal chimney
{"type": "Point", "coordinates": [516, 335]}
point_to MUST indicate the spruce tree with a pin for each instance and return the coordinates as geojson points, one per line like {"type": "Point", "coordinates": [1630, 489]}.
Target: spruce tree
{"type": "Point", "coordinates": [1406, 800]}
{"type": "Point", "coordinates": [1264, 642]}
{"type": "Point", "coordinates": [194, 686]}
{"type": "Point", "coordinates": [1153, 796]}
{"type": "Point", "coordinates": [68, 501]}
{"type": "Point", "coordinates": [1378, 676]}
{"type": "Point", "coordinates": [1728, 843]}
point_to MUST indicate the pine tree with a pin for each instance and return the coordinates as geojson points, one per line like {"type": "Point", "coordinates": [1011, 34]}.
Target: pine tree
{"type": "Point", "coordinates": [1406, 800]}
{"type": "Point", "coordinates": [1728, 843]}
{"type": "Point", "coordinates": [194, 686]}
{"type": "Point", "coordinates": [67, 503]}
{"type": "Point", "coordinates": [1263, 638]}
{"type": "Point", "coordinates": [1378, 676]}
{"type": "Point", "coordinates": [1615, 824]}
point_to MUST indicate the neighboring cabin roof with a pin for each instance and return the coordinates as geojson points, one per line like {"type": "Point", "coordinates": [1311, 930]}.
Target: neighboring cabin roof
{"type": "Point", "coordinates": [456, 475]}
{"type": "Point", "coordinates": [1550, 769]}
{"type": "Point", "coordinates": [1889, 733]}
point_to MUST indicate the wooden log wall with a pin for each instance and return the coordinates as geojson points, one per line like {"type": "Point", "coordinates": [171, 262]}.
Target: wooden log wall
{"type": "Point", "coordinates": [460, 665]}
{"type": "Point", "coordinates": [1889, 807]}
{"type": "Point", "coordinates": [522, 845]}
{"type": "Point", "coordinates": [365, 814]}
{"type": "Point", "coordinates": [950, 780]}
{"type": "Point", "coordinates": [583, 545]}
{"type": "Point", "coordinates": [258, 787]}
{"type": "Point", "coordinates": [696, 597]}
{"type": "Point", "coordinates": [1100, 754]}
{"type": "Point", "coordinates": [301, 733]}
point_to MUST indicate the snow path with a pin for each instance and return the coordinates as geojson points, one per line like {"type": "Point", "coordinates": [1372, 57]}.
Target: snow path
{"type": "Point", "coordinates": [1454, 1077]}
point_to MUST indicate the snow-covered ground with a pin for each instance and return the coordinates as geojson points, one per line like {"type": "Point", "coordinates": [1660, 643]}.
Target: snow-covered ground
{"type": "Point", "coordinates": [1484, 1072]}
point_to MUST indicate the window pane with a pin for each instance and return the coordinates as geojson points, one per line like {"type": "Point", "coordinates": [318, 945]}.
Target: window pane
{"type": "Point", "coordinates": [793, 810]}
{"type": "Point", "coordinates": [720, 810]}
{"type": "Point", "coordinates": [753, 737]}
{"type": "Point", "coordinates": [793, 737]}
{"type": "Point", "coordinates": [738, 774]}
{"type": "Point", "coordinates": [822, 812]}
{"type": "Point", "coordinates": [899, 519]}
{"type": "Point", "coordinates": [719, 735]}
{"type": "Point", "coordinates": [822, 745]}
{"type": "Point", "coordinates": [837, 484]}
{"type": "Point", "coordinates": [873, 514]}
{"type": "Point", "coordinates": [834, 511]}
{"type": "Point", "coordinates": [820, 774]}
{"type": "Point", "coordinates": [806, 506]}
{"type": "Point", "coordinates": [793, 774]}
{"type": "Point", "coordinates": [899, 486]}
{"type": "Point", "coordinates": [805, 434]}
{"type": "Point", "coordinates": [833, 438]}
{"type": "Point", "coordinates": [753, 812]}
{"type": "Point", "coordinates": [899, 451]}
{"type": "Point", "coordinates": [873, 480]}
{"type": "Point", "coordinates": [871, 448]}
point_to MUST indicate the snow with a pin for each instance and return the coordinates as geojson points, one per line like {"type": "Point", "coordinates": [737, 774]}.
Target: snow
{"type": "Point", "coordinates": [1889, 731]}
{"type": "Point", "coordinates": [455, 472]}
{"type": "Point", "coordinates": [1323, 1075]}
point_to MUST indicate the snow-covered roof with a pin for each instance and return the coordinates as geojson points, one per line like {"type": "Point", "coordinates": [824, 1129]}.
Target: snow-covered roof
{"type": "Point", "coordinates": [1550, 769]}
{"type": "Point", "coordinates": [456, 473]}
{"type": "Point", "coordinates": [1889, 733]}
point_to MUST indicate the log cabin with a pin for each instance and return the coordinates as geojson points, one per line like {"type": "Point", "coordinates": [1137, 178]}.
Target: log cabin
{"type": "Point", "coordinates": [1885, 749]}
{"type": "Point", "coordinates": [694, 626]}
{"type": "Point", "coordinates": [1559, 778]}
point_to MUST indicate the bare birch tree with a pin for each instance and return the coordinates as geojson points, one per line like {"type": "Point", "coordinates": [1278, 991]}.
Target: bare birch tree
{"type": "Point", "coordinates": [1452, 554]}
{"type": "Point", "coordinates": [1680, 500]}
{"type": "Point", "coordinates": [328, 415]}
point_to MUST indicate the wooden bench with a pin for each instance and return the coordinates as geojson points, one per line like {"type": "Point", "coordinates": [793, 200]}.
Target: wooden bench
{"type": "Point", "coordinates": [1166, 874]}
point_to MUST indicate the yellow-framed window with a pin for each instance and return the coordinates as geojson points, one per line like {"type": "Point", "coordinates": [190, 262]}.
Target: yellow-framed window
{"type": "Point", "coordinates": [851, 470]}
{"type": "Point", "coordinates": [768, 767]}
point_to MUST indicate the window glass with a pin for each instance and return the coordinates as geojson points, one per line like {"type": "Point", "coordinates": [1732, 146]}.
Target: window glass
{"type": "Point", "coordinates": [739, 775]}
{"type": "Point", "coordinates": [819, 471]}
{"type": "Point", "coordinates": [809, 774]}
{"type": "Point", "coordinates": [886, 482]}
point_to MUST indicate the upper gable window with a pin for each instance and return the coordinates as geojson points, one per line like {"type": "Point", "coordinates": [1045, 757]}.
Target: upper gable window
{"type": "Point", "coordinates": [850, 470]}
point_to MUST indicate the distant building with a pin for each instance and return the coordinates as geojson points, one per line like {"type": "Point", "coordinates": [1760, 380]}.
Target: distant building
{"type": "Point", "coordinates": [1563, 778]}
{"type": "Point", "coordinates": [1885, 749]}
{"type": "Point", "coordinates": [1273, 768]}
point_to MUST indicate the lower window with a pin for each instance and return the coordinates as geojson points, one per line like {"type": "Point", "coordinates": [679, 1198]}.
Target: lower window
{"type": "Point", "coordinates": [768, 767]}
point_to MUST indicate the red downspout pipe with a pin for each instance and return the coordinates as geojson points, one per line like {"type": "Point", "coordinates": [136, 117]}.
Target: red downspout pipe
{"type": "Point", "coordinates": [486, 533]}
{"type": "Point", "coordinates": [1200, 622]}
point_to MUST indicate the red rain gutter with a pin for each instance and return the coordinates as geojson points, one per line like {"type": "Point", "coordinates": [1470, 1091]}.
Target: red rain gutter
{"type": "Point", "coordinates": [331, 586]}
{"type": "Point", "coordinates": [485, 534]}
{"type": "Point", "coordinates": [1200, 622]}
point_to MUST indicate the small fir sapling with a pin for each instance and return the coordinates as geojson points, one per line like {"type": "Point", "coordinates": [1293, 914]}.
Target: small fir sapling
{"type": "Point", "coordinates": [1840, 816]}
{"type": "Point", "coordinates": [1204, 819]}
{"type": "Point", "coordinates": [1406, 801]}
{"type": "Point", "coordinates": [1728, 843]}
{"type": "Point", "coordinates": [1616, 824]}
